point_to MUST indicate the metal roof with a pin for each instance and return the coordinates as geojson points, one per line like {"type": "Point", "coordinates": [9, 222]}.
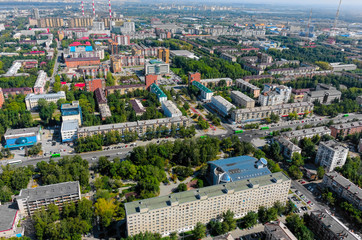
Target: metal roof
{"type": "Point", "coordinates": [201, 87]}
{"type": "Point", "coordinates": [8, 214]}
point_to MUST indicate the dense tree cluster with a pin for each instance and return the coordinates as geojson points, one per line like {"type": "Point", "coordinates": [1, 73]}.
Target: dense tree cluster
{"type": "Point", "coordinates": [227, 224]}
{"type": "Point", "coordinates": [297, 226]}
{"type": "Point", "coordinates": [352, 170]}
{"type": "Point", "coordinates": [66, 169]}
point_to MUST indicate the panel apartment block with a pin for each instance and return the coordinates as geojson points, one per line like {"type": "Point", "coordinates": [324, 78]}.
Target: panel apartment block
{"type": "Point", "coordinates": [242, 100]}
{"type": "Point", "coordinates": [180, 212]}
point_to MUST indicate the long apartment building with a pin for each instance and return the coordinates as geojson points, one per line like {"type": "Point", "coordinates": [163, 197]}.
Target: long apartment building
{"type": "Point", "coordinates": [170, 109]}
{"type": "Point", "coordinates": [344, 188]}
{"type": "Point", "coordinates": [345, 129]}
{"type": "Point", "coordinates": [180, 212]}
{"type": "Point", "coordinates": [307, 133]}
{"type": "Point", "coordinates": [246, 86]}
{"type": "Point", "coordinates": [140, 127]}
{"type": "Point", "coordinates": [331, 154]}
{"type": "Point", "coordinates": [205, 93]}
{"type": "Point", "coordinates": [30, 200]}
{"type": "Point", "coordinates": [117, 62]}
{"type": "Point", "coordinates": [222, 105]}
{"type": "Point", "coordinates": [259, 113]}
{"type": "Point", "coordinates": [31, 100]}
{"type": "Point", "coordinates": [40, 82]}
{"type": "Point", "coordinates": [242, 100]}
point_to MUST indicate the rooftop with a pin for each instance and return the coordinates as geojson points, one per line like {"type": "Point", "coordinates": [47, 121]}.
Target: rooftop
{"type": "Point", "coordinates": [8, 214]}
{"type": "Point", "coordinates": [353, 188]}
{"type": "Point", "coordinates": [157, 90]}
{"type": "Point", "coordinates": [249, 85]}
{"type": "Point", "coordinates": [69, 125]}
{"type": "Point", "coordinates": [321, 93]}
{"type": "Point", "coordinates": [334, 225]}
{"type": "Point", "coordinates": [333, 144]}
{"type": "Point", "coordinates": [49, 191]}
{"type": "Point", "coordinates": [242, 167]}
{"type": "Point", "coordinates": [304, 132]}
{"type": "Point", "coordinates": [21, 131]}
{"type": "Point", "coordinates": [100, 96]}
{"type": "Point", "coordinates": [242, 96]}
{"type": "Point", "coordinates": [137, 106]}
{"type": "Point", "coordinates": [347, 125]}
{"type": "Point", "coordinates": [201, 87]}
{"type": "Point", "coordinates": [171, 106]}
{"type": "Point", "coordinates": [36, 97]}
{"type": "Point", "coordinates": [66, 106]}
{"type": "Point", "coordinates": [151, 204]}
{"type": "Point", "coordinates": [273, 108]}
{"type": "Point", "coordinates": [279, 230]}
{"type": "Point", "coordinates": [223, 101]}
{"type": "Point", "coordinates": [288, 144]}
{"type": "Point", "coordinates": [216, 79]}
{"type": "Point", "coordinates": [82, 59]}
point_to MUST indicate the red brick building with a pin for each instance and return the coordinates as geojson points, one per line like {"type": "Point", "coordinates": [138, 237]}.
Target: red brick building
{"type": "Point", "coordinates": [16, 91]}
{"type": "Point", "coordinates": [76, 62]}
{"type": "Point", "coordinates": [2, 100]}
{"type": "Point", "coordinates": [92, 84]}
{"type": "Point", "coordinates": [346, 129]}
{"type": "Point", "coordinates": [194, 77]}
{"type": "Point", "coordinates": [150, 79]}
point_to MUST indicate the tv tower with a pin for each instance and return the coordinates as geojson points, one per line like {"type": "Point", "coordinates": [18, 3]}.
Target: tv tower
{"type": "Point", "coordinates": [94, 10]}
{"type": "Point", "coordinates": [110, 9]}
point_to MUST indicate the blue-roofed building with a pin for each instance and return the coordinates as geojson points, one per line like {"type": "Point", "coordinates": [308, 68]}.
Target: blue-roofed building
{"type": "Point", "coordinates": [236, 168]}
{"type": "Point", "coordinates": [88, 48]}
{"type": "Point", "coordinates": [72, 111]}
{"type": "Point", "coordinates": [72, 49]}
{"type": "Point", "coordinates": [23, 137]}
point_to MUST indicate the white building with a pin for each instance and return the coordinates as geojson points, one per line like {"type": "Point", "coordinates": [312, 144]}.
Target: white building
{"type": "Point", "coordinates": [274, 95]}
{"type": "Point", "coordinates": [307, 133]}
{"type": "Point", "coordinates": [170, 109]}
{"type": "Point", "coordinates": [339, 67]}
{"type": "Point", "coordinates": [242, 100]}
{"type": "Point", "coordinates": [128, 27]}
{"type": "Point", "coordinates": [9, 220]}
{"type": "Point", "coordinates": [222, 105]}
{"type": "Point", "coordinates": [331, 154]}
{"type": "Point", "coordinates": [98, 26]}
{"type": "Point", "coordinates": [179, 212]}
{"type": "Point", "coordinates": [206, 93]}
{"type": "Point", "coordinates": [157, 67]}
{"type": "Point", "coordinates": [69, 130]}
{"type": "Point", "coordinates": [31, 100]}
{"type": "Point", "coordinates": [39, 85]}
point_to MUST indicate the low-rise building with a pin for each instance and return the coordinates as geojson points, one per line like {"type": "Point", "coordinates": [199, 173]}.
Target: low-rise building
{"type": "Point", "coordinates": [40, 82]}
{"type": "Point", "coordinates": [331, 154]}
{"type": "Point", "coordinates": [236, 168]}
{"type": "Point", "coordinates": [277, 231]}
{"type": "Point", "coordinates": [307, 133]}
{"type": "Point", "coordinates": [69, 130]}
{"type": "Point", "coordinates": [339, 67]}
{"type": "Point", "coordinates": [344, 188]}
{"type": "Point", "coordinates": [242, 100]}
{"type": "Point", "coordinates": [170, 109]}
{"type": "Point", "coordinates": [323, 96]}
{"type": "Point", "coordinates": [33, 199]}
{"type": "Point", "coordinates": [22, 137]}
{"type": "Point", "coordinates": [16, 91]}
{"type": "Point", "coordinates": [103, 107]}
{"type": "Point", "coordinates": [157, 67]}
{"type": "Point", "coordinates": [222, 105]}
{"type": "Point", "coordinates": [181, 211]}
{"type": "Point", "coordinates": [228, 57]}
{"type": "Point", "coordinates": [31, 100]}
{"type": "Point", "coordinates": [92, 84]}
{"type": "Point", "coordinates": [287, 148]}
{"type": "Point", "coordinates": [246, 86]}
{"type": "Point", "coordinates": [206, 93]}
{"type": "Point", "coordinates": [274, 95]}
{"type": "Point", "coordinates": [77, 62]}
{"type": "Point", "coordinates": [9, 221]}
{"type": "Point", "coordinates": [140, 127]}
{"type": "Point", "coordinates": [137, 107]}
{"type": "Point", "coordinates": [124, 89]}
{"type": "Point", "coordinates": [117, 62]}
{"type": "Point", "coordinates": [260, 113]}
{"type": "Point", "coordinates": [94, 71]}
{"type": "Point", "coordinates": [345, 129]}
{"type": "Point", "coordinates": [327, 227]}
{"type": "Point", "coordinates": [217, 82]}
{"type": "Point", "coordinates": [161, 96]}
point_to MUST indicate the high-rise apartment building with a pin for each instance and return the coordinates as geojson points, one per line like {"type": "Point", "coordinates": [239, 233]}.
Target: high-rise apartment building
{"type": "Point", "coordinates": [50, 22]}
{"type": "Point", "coordinates": [180, 212]}
{"type": "Point", "coordinates": [274, 95]}
{"type": "Point", "coordinates": [36, 13]}
{"type": "Point", "coordinates": [331, 154]}
{"type": "Point", "coordinates": [164, 54]}
{"type": "Point", "coordinates": [80, 22]}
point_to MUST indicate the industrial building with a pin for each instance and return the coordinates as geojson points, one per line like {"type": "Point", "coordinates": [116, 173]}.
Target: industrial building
{"type": "Point", "coordinates": [259, 113]}
{"type": "Point", "coordinates": [345, 129]}
{"type": "Point", "coordinates": [242, 100]}
{"type": "Point", "coordinates": [246, 86]}
{"type": "Point", "coordinates": [22, 137]}
{"type": "Point", "coordinates": [307, 133]}
{"type": "Point", "coordinates": [33, 199]}
{"type": "Point", "coordinates": [161, 96]}
{"type": "Point", "coordinates": [221, 105]}
{"type": "Point", "coordinates": [206, 93]}
{"type": "Point", "coordinates": [330, 155]}
{"type": "Point", "coordinates": [71, 111]}
{"type": "Point", "coordinates": [157, 67]}
{"type": "Point", "coordinates": [344, 188]}
{"type": "Point", "coordinates": [327, 227]}
{"type": "Point", "coordinates": [236, 168]}
{"type": "Point", "coordinates": [140, 127]}
{"type": "Point", "coordinates": [31, 100]}
{"type": "Point", "coordinates": [170, 109]}
{"type": "Point", "coordinates": [179, 212]}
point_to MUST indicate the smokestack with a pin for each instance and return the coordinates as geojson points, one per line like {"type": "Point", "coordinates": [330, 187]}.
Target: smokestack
{"type": "Point", "coordinates": [94, 10]}
{"type": "Point", "coordinates": [82, 9]}
{"type": "Point", "coordinates": [110, 9]}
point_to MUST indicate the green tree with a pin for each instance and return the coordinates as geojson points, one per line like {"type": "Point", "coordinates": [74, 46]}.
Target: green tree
{"type": "Point", "coordinates": [199, 231]}
{"type": "Point", "coordinates": [182, 187]}
{"type": "Point", "coordinates": [105, 210]}
{"type": "Point", "coordinates": [295, 172]}
{"type": "Point", "coordinates": [110, 80]}
{"type": "Point", "coordinates": [320, 172]}
{"type": "Point", "coordinates": [297, 159]}
{"type": "Point", "coordinates": [250, 220]}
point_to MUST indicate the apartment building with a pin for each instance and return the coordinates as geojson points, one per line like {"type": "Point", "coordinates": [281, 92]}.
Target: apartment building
{"type": "Point", "coordinates": [170, 109]}
{"type": "Point", "coordinates": [206, 93]}
{"type": "Point", "coordinates": [323, 96]}
{"type": "Point", "coordinates": [71, 111]}
{"type": "Point", "coordinates": [92, 84]}
{"type": "Point", "coordinates": [217, 82]}
{"type": "Point", "coordinates": [30, 200]}
{"type": "Point", "coordinates": [228, 57]}
{"type": "Point", "coordinates": [161, 96]}
{"type": "Point", "coordinates": [242, 100]}
{"type": "Point", "coordinates": [246, 86]}
{"type": "Point", "coordinates": [31, 100]}
{"type": "Point", "coordinates": [327, 227]}
{"type": "Point", "coordinates": [156, 67]}
{"type": "Point", "coordinates": [164, 54]}
{"type": "Point", "coordinates": [117, 62]}
{"type": "Point", "coordinates": [68, 130]}
{"type": "Point", "coordinates": [137, 107]}
{"type": "Point", "coordinates": [330, 155]}
{"type": "Point", "coordinates": [221, 105]}
{"type": "Point", "coordinates": [346, 129]}
{"type": "Point", "coordinates": [40, 82]}
{"type": "Point", "coordinates": [259, 113]}
{"type": "Point", "coordinates": [180, 212]}
{"type": "Point", "coordinates": [140, 126]}
{"type": "Point", "coordinates": [103, 107]}
{"type": "Point", "coordinates": [307, 133]}
{"type": "Point", "coordinates": [94, 71]}
{"type": "Point", "coordinates": [274, 95]}
{"type": "Point", "coordinates": [287, 148]}
{"type": "Point", "coordinates": [339, 67]}
{"type": "Point", "coordinates": [123, 40]}
{"type": "Point", "coordinates": [344, 188]}
{"type": "Point", "coordinates": [278, 231]}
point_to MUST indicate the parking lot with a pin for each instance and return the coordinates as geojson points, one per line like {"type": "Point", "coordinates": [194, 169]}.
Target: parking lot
{"type": "Point", "coordinates": [302, 203]}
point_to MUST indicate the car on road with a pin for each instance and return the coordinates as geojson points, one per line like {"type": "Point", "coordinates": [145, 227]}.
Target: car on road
{"type": "Point", "coordinates": [94, 158]}
{"type": "Point", "coordinates": [119, 153]}
{"type": "Point", "coordinates": [309, 202]}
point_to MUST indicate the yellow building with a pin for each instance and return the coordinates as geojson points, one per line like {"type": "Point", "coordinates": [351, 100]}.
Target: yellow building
{"type": "Point", "coordinates": [164, 54]}
{"type": "Point", "coordinates": [50, 22]}
{"type": "Point", "coordinates": [80, 22]}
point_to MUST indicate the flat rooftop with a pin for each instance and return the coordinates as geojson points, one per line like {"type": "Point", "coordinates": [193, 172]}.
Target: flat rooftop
{"type": "Point", "coordinates": [242, 96]}
{"type": "Point", "coordinates": [347, 125]}
{"type": "Point", "coordinates": [8, 214]}
{"type": "Point", "coordinates": [49, 191]}
{"type": "Point", "coordinates": [194, 195]}
{"type": "Point", "coordinates": [353, 188]}
{"type": "Point", "coordinates": [279, 231]}
{"type": "Point", "coordinates": [21, 131]}
{"type": "Point", "coordinates": [69, 125]}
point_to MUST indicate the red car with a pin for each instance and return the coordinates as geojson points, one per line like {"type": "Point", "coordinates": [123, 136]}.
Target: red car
{"type": "Point", "coordinates": [302, 182]}
{"type": "Point", "coordinates": [309, 202]}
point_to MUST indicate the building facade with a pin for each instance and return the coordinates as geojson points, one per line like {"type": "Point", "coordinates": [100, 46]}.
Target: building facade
{"type": "Point", "coordinates": [180, 212]}
{"type": "Point", "coordinates": [40, 82]}
{"type": "Point", "coordinates": [346, 129]}
{"type": "Point", "coordinates": [77, 62]}
{"type": "Point", "coordinates": [117, 62]}
{"type": "Point", "coordinates": [157, 67]}
{"type": "Point", "coordinates": [170, 109]}
{"type": "Point", "coordinates": [33, 199]}
{"type": "Point", "coordinates": [161, 96]}
{"type": "Point", "coordinates": [323, 96]}
{"type": "Point", "coordinates": [246, 86]}
{"type": "Point", "coordinates": [69, 130]}
{"type": "Point", "coordinates": [9, 221]}
{"type": "Point", "coordinates": [222, 105]}
{"type": "Point", "coordinates": [274, 95]}
{"type": "Point", "coordinates": [330, 155]}
{"type": "Point", "coordinates": [23, 137]}
{"type": "Point", "coordinates": [287, 148]}
{"type": "Point", "coordinates": [31, 100]}
{"type": "Point", "coordinates": [307, 133]}
{"type": "Point", "coordinates": [206, 93]}
{"type": "Point", "coordinates": [242, 100]}
{"type": "Point", "coordinates": [71, 111]}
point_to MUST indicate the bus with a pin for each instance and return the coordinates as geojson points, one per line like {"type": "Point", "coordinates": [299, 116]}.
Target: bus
{"type": "Point", "coordinates": [203, 136]}
{"type": "Point", "coordinates": [54, 155]}
{"type": "Point", "coordinates": [239, 131]}
{"type": "Point", "coordinates": [264, 128]}
{"type": "Point", "coordinates": [14, 162]}
{"type": "Point", "coordinates": [346, 115]}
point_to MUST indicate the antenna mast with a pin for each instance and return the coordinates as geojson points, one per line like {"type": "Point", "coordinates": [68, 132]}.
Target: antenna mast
{"type": "Point", "coordinates": [82, 9]}
{"type": "Point", "coordinates": [94, 10]}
